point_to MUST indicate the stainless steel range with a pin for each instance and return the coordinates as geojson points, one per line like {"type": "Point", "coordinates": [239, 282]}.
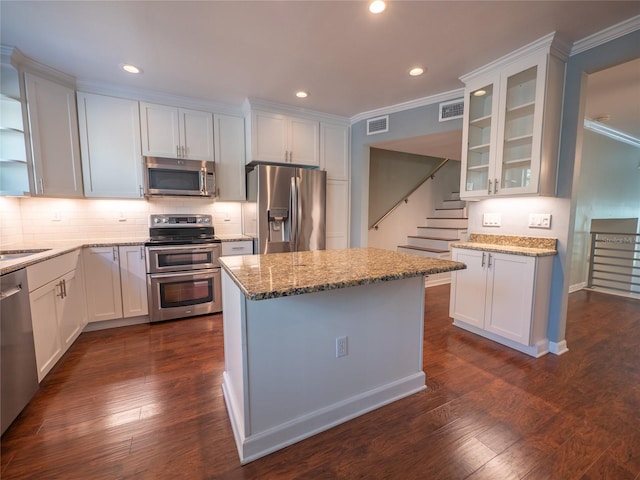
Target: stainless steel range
{"type": "Point", "coordinates": [183, 274]}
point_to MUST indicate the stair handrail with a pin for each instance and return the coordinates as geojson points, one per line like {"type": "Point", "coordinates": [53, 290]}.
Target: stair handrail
{"type": "Point", "coordinates": [405, 198]}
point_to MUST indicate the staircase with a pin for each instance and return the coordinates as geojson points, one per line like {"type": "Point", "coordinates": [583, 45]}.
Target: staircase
{"type": "Point", "coordinates": [447, 225]}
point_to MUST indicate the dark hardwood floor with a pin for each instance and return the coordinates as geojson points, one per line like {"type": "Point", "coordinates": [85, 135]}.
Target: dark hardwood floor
{"type": "Point", "coordinates": [145, 402]}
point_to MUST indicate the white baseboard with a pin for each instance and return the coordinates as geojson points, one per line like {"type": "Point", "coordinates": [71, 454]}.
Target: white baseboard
{"type": "Point", "coordinates": [436, 282]}
{"type": "Point", "coordinates": [577, 287]}
{"type": "Point", "coordinates": [258, 445]}
{"type": "Point", "coordinates": [118, 322]}
{"type": "Point", "coordinates": [538, 350]}
{"type": "Point", "coordinates": [558, 348]}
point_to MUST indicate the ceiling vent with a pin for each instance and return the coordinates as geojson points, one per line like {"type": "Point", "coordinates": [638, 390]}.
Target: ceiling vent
{"type": "Point", "coordinates": [451, 110]}
{"type": "Point", "coordinates": [378, 125]}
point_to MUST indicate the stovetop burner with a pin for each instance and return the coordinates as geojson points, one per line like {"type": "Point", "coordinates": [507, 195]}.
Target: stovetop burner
{"type": "Point", "coordinates": [181, 230]}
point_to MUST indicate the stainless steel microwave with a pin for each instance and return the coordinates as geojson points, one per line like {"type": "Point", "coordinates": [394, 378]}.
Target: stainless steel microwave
{"type": "Point", "coordinates": [179, 177]}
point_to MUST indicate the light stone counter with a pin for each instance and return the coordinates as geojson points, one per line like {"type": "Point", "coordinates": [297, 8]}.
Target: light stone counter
{"type": "Point", "coordinates": [54, 248]}
{"type": "Point", "coordinates": [262, 277]}
{"type": "Point", "coordinates": [517, 245]}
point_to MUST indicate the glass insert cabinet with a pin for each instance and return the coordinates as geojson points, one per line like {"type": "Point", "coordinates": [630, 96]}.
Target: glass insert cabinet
{"type": "Point", "coordinates": [511, 124]}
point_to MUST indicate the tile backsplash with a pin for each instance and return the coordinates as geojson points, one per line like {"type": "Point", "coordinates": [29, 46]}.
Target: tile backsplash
{"type": "Point", "coordinates": [31, 220]}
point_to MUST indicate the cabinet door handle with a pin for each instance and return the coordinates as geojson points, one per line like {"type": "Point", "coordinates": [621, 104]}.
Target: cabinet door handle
{"type": "Point", "coordinates": [290, 157]}
{"type": "Point", "coordinates": [141, 253]}
{"type": "Point", "coordinates": [141, 191]}
{"type": "Point", "coordinates": [489, 264]}
{"type": "Point", "coordinates": [178, 151]}
{"type": "Point", "coordinates": [61, 294]}
{"type": "Point", "coordinates": [495, 186]}
{"type": "Point", "coordinates": [64, 287]}
{"type": "Point", "coordinates": [114, 250]}
{"type": "Point", "coordinates": [483, 254]}
{"type": "Point", "coordinates": [42, 185]}
{"type": "Point", "coordinates": [489, 189]}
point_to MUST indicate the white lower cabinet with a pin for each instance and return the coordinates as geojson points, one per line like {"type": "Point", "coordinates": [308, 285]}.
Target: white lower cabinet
{"type": "Point", "coordinates": [504, 297]}
{"type": "Point", "coordinates": [58, 314]}
{"type": "Point", "coordinates": [337, 214]}
{"type": "Point", "coordinates": [115, 282]}
{"type": "Point", "coordinates": [244, 247]}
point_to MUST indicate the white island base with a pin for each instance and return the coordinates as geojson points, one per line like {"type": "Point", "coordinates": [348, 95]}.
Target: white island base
{"type": "Point", "coordinates": [283, 381]}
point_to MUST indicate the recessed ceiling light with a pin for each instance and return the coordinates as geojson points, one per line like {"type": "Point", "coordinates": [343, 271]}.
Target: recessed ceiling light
{"type": "Point", "coordinates": [479, 93]}
{"type": "Point", "coordinates": [377, 6]}
{"type": "Point", "coordinates": [129, 68]}
{"type": "Point", "coordinates": [302, 94]}
{"type": "Point", "coordinates": [416, 71]}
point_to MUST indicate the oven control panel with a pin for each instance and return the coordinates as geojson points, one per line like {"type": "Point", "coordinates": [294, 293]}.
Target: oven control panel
{"type": "Point", "coordinates": [179, 220]}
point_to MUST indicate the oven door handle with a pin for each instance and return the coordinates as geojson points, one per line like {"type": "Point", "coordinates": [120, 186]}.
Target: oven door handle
{"type": "Point", "coordinates": [188, 248]}
{"type": "Point", "coordinates": [191, 273]}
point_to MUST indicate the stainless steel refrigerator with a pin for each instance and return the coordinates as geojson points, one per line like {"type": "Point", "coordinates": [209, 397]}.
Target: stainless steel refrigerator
{"type": "Point", "coordinates": [286, 208]}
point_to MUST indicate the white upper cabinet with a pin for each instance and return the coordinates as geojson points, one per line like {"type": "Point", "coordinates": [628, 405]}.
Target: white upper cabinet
{"type": "Point", "coordinates": [511, 128]}
{"type": "Point", "coordinates": [176, 132]}
{"type": "Point", "coordinates": [334, 151]}
{"type": "Point", "coordinates": [281, 138]}
{"type": "Point", "coordinates": [230, 157]}
{"type": "Point", "coordinates": [110, 146]}
{"type": "Point", "coordinates": [53, 127]}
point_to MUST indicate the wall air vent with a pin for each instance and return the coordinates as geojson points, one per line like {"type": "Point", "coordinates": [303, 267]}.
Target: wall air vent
{"type": "Point", "coordinates": [451, 110]}
{"type": "Point", "coordinates": [378, 125]}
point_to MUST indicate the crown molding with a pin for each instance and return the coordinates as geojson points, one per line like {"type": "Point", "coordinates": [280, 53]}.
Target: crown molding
{"type": "Point", "coordinates": [252, 103]}
{"type": "Point", "coordinates": [26, 64]}
{"type": "Point", "coordinates": [418, 102]}
{"type": "Point", "coordinates": [551, 42]}
{"type": "Point", "coordinates": [132, 93]}
{"type": "Point", "coordinates": [611, 33]}
{"type": "Point", "coordinates": [607, 131]}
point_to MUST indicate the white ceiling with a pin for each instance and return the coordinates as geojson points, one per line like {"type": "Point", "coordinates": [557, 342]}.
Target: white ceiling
{"type": "Point", "coordinates": [348, 59]}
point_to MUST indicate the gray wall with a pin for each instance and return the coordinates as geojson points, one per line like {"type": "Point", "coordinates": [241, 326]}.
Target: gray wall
{"type": "Point", "coordinates": [608, 187]}
{"type": "Point", "coordinates": [406, 124]}
{"type": "Point", "coordinates": [424, 120]}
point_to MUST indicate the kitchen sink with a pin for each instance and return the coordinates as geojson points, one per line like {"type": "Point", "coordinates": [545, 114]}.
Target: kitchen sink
{"type": "Point", "coordinates": [12, 255]}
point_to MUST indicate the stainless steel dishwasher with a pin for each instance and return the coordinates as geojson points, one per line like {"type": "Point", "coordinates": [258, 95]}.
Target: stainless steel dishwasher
{"type": "Point", "coordinates": [18, 369]}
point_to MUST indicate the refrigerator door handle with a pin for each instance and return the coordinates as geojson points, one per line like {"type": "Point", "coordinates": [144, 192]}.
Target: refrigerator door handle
{"type": "Point", "coordinates": [293, 241]}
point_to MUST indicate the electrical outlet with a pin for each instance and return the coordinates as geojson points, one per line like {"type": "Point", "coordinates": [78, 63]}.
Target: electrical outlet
{"type": "Point", "coordinates": [341, 347]}
{"type": "Point", "coordinates": [540, 220]}
{"type": "Point", "coordinates": [491, 220]}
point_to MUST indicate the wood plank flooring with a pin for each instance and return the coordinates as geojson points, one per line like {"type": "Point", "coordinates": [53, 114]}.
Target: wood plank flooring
{"type": "Point", "coordinates": [145, 402]}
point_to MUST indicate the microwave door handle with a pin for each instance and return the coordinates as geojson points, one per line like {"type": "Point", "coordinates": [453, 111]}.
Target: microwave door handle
{"type": "Point", "coordinates": [203, 182]}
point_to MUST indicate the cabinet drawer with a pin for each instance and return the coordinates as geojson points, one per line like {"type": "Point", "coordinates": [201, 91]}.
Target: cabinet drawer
{"type": "Point", "coordinates": [48, 270]}
{"type": "Point", "coordinates": [237, 248]}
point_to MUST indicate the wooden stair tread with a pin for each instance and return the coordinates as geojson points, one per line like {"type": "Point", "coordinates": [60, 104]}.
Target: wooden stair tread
{"type": "Point", "coordinates": [447, 218]}
{"type": "Point", "coordinates": [423, 249]}
{"type": "Point", "coordinates": [452, 208]}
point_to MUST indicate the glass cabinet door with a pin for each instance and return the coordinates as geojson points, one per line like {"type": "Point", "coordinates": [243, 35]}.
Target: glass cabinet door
{"type": "Point", "coordinates": [518, 130]}
{"type": "Point", "coordinates": [14, 176]}
{"type": "Point", "coordinates": [480, 138]}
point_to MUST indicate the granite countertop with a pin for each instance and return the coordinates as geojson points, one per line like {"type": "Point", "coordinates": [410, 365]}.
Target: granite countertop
{"type": "Point", "coordinates": [234, 237]}
{"type": "Point", "coordinates": [262, 277]}
{"type": "Point", "coordinates": [51, 249]}
{"type": "Point", "coordinates": [514, 244]}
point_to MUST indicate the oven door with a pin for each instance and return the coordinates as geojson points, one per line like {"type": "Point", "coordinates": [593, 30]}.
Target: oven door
{"type": "Point", "coordinates": [165, 259]}
{"type": "Point", "coordinates": [184, 294]}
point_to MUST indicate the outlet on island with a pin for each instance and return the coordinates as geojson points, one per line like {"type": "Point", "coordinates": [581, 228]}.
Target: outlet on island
{"type": "Point", "coordinates": [341, 347]}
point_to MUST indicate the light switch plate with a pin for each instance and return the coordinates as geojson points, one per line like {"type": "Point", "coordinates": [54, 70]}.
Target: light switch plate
{"type": "Point", "coordinates": [540, 220]}
{"type": "Point", "coordinates": [491, 220]}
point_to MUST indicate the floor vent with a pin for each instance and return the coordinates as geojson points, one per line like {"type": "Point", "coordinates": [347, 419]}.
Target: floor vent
{"type": "Point", "coordinates": [378, 125]}
{"type": "Point", "coordinates": [451, 110]}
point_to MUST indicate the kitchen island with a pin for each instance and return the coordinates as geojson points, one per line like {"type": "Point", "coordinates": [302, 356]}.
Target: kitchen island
{"type": "Point", "coordinates": [313, 339]}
